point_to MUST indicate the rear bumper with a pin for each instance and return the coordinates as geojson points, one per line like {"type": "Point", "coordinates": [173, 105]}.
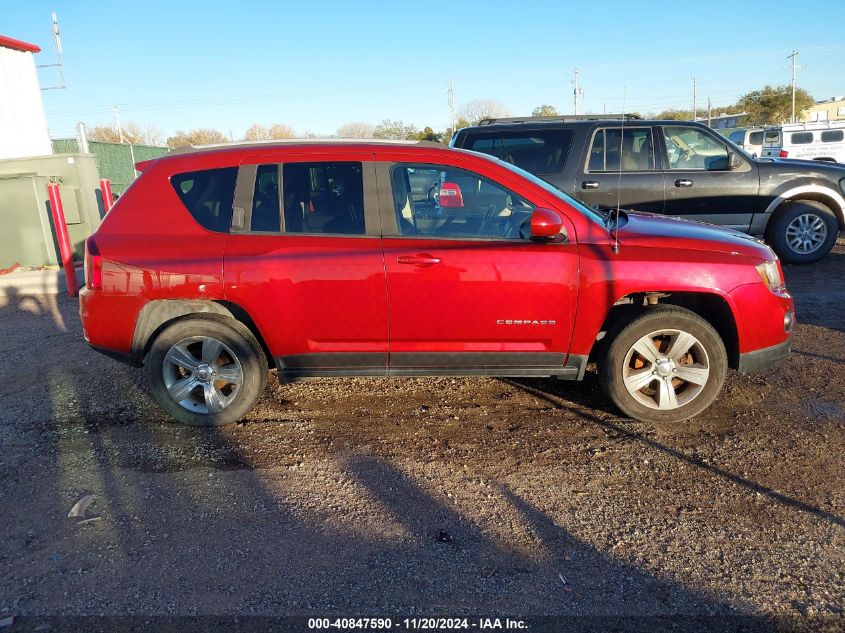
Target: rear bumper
{"type": "Point", "coordinates": [762, 358]}
{"type": "Point", "coordinates": [108, 322]}
{"type": "Point", "coordinates": [121, 357]}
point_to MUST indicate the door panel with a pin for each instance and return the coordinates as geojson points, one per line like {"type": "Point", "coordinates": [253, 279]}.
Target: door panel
{"type": "Point", "coordinates": [728, 197]}
{"type": "Point", "coordinates": [466, 293]}
{"type": "Point", "coordinates": [319, 300]}
{"type": "Point", "coordinates": [512, 301]}
{"type": "Point", "coordinates": [619, 170]}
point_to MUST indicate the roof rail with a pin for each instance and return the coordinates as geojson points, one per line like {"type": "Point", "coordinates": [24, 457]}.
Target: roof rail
{"type": "Point", "coordinates": [288, 142]}
{"type": "Point", "coordinates": [565, 117]}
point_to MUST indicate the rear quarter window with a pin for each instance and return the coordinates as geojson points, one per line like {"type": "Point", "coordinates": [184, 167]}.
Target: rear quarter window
{"type": "Point", "coordinates": [207, 195]}
{"type": "Point", "coordinates": [541, 152]}
{"type": "Point", "coordinates": [755, 138]}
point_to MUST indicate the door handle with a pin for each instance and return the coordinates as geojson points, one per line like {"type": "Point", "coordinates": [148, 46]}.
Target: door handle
{"type": "Point", "coordinates": [423, 260]}
{"type": "Point", "coordinates": [683, 182]}
{"type": "Point", "coordinates": [589, 184]}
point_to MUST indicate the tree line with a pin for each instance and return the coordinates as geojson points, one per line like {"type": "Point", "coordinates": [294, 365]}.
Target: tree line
{"type": "Point", "coordinates": [770, 105]}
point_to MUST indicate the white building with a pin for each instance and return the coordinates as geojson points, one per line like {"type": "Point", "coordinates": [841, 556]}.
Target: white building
{"type": "Point", "coordinates": [23, 126]}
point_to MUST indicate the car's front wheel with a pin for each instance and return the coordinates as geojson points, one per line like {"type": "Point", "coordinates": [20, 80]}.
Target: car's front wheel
{"type": "Point", "coordinates": [206, 372]}
{"type": "Point", "coordinates": [665, 365]}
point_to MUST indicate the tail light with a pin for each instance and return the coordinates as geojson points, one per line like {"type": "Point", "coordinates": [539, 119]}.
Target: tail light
{"type": "Point", "coordinates": [451, 195]}
{"type": "Point", "coordinates": [783, 153]}
{"type": "Point", "coordinates": [93, 265]}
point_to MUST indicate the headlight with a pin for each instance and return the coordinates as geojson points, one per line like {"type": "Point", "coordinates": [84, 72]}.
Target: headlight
{"type": "Point", "coordinates": [770, 274]}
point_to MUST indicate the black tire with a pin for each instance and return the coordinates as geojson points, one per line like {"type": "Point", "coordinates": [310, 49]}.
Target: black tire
{"type": "Point", "coordinates": [708, 350]}
{"type": "Point", "coordinates": [776, 232]}
{"type": "Point", "coordinates": [237, 341]}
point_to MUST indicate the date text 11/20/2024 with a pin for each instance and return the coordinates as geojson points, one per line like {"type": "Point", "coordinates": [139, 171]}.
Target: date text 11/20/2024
{"type": "Point", "coordinates": [416, 624]}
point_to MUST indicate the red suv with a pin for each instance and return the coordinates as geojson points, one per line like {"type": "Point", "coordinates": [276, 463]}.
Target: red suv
{"type": "Point", "coordinates": [413, 259]}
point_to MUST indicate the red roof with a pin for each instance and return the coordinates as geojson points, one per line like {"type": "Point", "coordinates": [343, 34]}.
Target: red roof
{"type": "Point", "coordinates": [9, 42]}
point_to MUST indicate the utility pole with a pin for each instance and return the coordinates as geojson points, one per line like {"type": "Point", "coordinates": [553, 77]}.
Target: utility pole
{"type": "Point", "coordinates": [795, 67]}
{"type": "Point", "coordinates": [451, 92]}
{"type": "Point", "coordinates": [694, 103]}
{"type": "Point", "coordinates": [709, 116]}
{"type": "Point", "coordinates": [117, 124]}
{"type": "Point", "coordinates": [576, 92]}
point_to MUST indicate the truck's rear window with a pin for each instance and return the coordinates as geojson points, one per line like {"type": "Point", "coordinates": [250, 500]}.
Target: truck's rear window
{"type": "Point", "coordinates": [208, 196]}
{"type": "Point", "coordinates": [540, 152]}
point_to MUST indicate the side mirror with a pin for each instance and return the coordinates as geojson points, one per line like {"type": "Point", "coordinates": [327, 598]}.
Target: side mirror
{"type": "Point", "coordinates": [733, 161]}
{"type": "Point", "coordinates": [451, 196]}
{"type": "Point", "coordinates": [547, 226]}
{"type": "Point", "coordinates": [723, 163]}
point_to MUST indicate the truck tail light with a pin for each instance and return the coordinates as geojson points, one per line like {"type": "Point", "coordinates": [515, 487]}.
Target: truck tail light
{"type": "Point", "coordinates": [451, 196]}
{"type": "Point", "coordinates": [93, 265]}
{"type": "Point", "coordinates": [783, 153]}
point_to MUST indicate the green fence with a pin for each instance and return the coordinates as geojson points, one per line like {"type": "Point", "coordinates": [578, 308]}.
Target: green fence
{"type": "Point", "coordinates": [115, 161]}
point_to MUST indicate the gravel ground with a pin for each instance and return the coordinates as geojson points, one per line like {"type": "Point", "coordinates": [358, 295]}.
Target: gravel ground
{"type": "Point", "coordinates": [401, 497]}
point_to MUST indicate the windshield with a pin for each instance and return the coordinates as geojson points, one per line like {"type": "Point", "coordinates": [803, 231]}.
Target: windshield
{"type": "Point", "coordinates": [591, 213]}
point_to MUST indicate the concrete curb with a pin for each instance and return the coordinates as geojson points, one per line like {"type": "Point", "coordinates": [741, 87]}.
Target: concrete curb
{"type": "Point", "coordinates": [37, 282]}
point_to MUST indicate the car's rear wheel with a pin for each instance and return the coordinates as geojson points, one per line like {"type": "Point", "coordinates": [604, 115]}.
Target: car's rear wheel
{"type": "Point", "coordinates": [205, 372]}
{"type": "Point", "coordinates": [803, 232]}
{"type": "Point", "coordinates": [665, 365]}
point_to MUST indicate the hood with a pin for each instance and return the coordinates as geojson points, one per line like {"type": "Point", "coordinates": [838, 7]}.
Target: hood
{"type": "Point", "coordinates": [798, 167]}
{"type": "Point", "coordinates": [659, 231]}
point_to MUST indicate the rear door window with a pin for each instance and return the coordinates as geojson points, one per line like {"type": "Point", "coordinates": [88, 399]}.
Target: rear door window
{"type": "Point", "coordinates": [323, 198]}
{"type": "Point", "coordinates": [625, 149]}
{"type": "Point", "coordinates": [773, 138]}
{"type": "Point", "coordinates": [265, 199]}
{"type": "Point", "coordinates": [207, 195]}
{"type": "Point", "coordinates": [540, 152]}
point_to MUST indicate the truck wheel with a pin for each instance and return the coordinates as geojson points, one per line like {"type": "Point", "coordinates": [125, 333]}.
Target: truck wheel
{"type": "Point", "coordinates": [205, 372]}
{"type": "Point", "coordinates": [665, 365]}
{"type": "Point", "coordinates": [802, 232]}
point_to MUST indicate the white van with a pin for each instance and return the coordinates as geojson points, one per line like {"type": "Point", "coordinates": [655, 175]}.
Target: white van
{"type": "Point", "coordinates": [749, 139]}
{"type": "Point", "coordinates": [808, 141]}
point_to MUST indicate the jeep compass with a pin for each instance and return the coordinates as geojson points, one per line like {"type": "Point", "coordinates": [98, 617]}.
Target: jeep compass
{"type": "Point", "coordinates": [368, 258]}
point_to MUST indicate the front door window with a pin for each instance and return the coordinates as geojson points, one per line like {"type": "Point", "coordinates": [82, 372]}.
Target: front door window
{"type": "Point", "coordinates": [692, 148]}
{"type": "Point", "coordinates": [446, 202]}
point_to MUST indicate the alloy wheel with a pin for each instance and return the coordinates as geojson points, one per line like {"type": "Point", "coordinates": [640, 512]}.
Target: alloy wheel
{"type": "Point", "coordinates": [806, 233]}
{"type": "Point", "coordinates": [666, 369]}
{"type": "Point", "coordinates": [202, 374]}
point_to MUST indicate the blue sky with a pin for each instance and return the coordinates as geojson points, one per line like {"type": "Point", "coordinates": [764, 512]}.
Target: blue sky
{"type": "Point", "coordinates": [316, 65]}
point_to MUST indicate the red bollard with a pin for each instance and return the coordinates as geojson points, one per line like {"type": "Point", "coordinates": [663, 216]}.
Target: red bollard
{"type": "Point", "coordinates": [65, 248]}
{"type": "Point", "coordinates": [105, 190]}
